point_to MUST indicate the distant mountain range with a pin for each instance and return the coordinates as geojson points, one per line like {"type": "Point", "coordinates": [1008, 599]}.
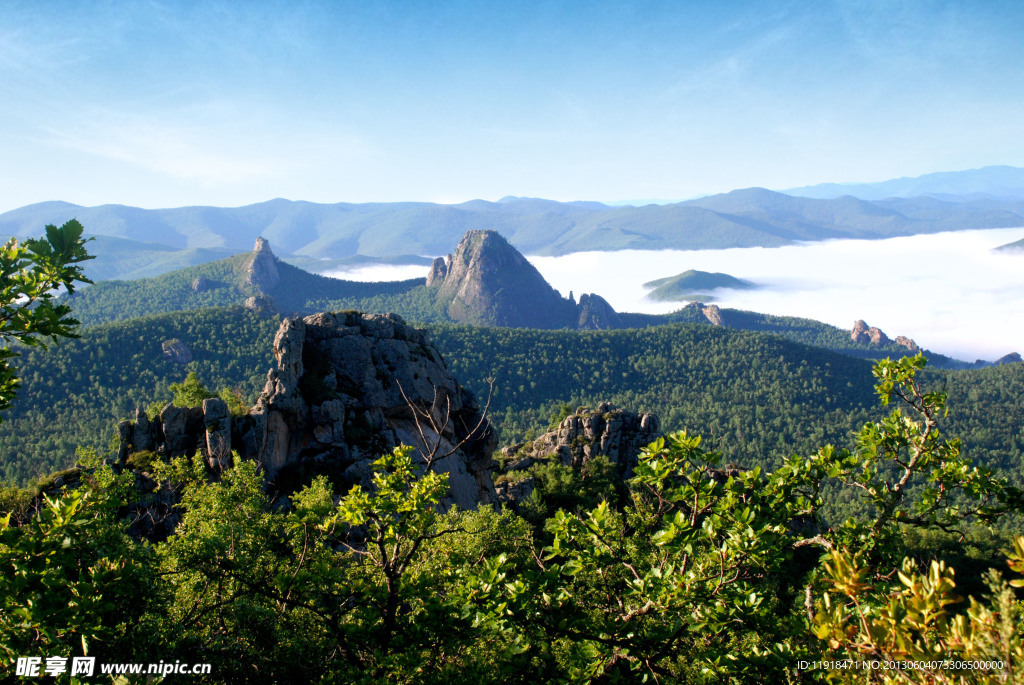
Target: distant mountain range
{"type": "Point", "coordinates": [1000, 183]}
{"type": "Point", "coordinates": [752, 217]}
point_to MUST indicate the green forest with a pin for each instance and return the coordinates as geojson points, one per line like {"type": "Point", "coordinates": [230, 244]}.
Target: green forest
{"type": "Point", "coordinates": [758, 398]}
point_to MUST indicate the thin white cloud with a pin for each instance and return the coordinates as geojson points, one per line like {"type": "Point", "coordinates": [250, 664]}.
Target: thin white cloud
{"type": "Point", "coordinates": [211, 144]}
{"type": "Point", "coordinates": [170, 149]}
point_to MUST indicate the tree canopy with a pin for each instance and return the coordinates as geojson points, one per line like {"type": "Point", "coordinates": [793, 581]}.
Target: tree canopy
{"type": "Point", "coordinates": [31, 272]}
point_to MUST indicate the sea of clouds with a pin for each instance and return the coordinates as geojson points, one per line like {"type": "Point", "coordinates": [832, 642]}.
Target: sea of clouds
{"type": "Point", "coordinates": [948, 291]}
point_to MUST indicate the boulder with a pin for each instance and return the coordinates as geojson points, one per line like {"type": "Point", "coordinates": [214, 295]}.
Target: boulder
{"type": "Point", "coordinates": [176, 351]}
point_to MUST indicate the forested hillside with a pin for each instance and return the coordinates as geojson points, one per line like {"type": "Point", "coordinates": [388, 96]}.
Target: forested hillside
{"type": "Point", "coordinates": [223, 284]}
{"type": "Point", "coordinates": [73, 394]}
{"type": "Point", "coordinates": [756, 397]}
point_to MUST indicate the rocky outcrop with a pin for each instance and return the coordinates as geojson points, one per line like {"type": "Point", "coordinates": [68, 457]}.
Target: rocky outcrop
{"type": "Point", "coordinates": [439, 270]}
{"type": "Point", "coordinates": [859, 332]}
{"type": "Point", "coordinates": [261, 269]}
{"type": "Point", "coordinates": [713, 314]}
{"type": "Point", "coordinates": [862, 333]}
{"type": "Point", "coordinates": [202, 284]}
{"type": "Point", "coordinates": [582, 435]}
{"type": "Point", "coordinates": [904, 341]}
{"type": "Point", "coordinates": [345, 388]}
{"type": "Point", "coordinates": [1012, 358]}
{"type": "Point", "coordinates": [176, 351]}
{"type": "Point", "coordinates": [261, 304]}
{"type": "Point", "coordinates": [595, 314]}
{"type": "Point", "coordinates": [217, 421]}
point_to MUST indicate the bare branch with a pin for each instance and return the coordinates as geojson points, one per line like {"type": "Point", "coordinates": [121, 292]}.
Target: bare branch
{"type": "Point", "coordinates": [430, 452]}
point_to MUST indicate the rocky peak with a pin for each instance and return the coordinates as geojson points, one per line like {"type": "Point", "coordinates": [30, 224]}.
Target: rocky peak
{"type": "Point", "coordinates": [904, 341]}
{"type": "Point", "coordinates": [1012, 358]}
{"type": "Point", "coordinates": [261, 269]}
{"type": "Point", "coordinates": [862, 333]}
{"type": "Point", "coordinates": [595, 314]}
{"type": "Point", "coordinates": [489, 283]}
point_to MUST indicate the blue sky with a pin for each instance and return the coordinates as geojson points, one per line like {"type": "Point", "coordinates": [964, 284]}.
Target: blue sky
{"type": "Point", "coordinates": [162, 104]}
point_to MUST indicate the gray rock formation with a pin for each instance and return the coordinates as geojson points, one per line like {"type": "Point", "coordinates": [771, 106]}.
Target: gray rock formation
{"type": "Point", "coordinates": [595, 314]}
{"type": "Point", "coordinates": [217, 420]}
{"type": "Point", "coordinates": [261, 304]}
{"type": "Point", "coordinates": [261, 269]}
{"type": "Point", "coordinates": [176, 351]}
{"type": "Point", "coordinates": [181, 427]}
{"type": "Point", "coordinates": [489, 283]}
{"type": "Point", "coordinates": [144, 436]}
{"type": "Point", "coordinates": [337, 398]}
{"type": "Point", "coordinates": [439, 270]}
{"type": "Point", "coordinates": [586, 433]}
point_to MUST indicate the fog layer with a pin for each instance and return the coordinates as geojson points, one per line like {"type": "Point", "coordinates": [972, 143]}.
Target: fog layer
{"type": "Point", "coordinates": [948, 291]}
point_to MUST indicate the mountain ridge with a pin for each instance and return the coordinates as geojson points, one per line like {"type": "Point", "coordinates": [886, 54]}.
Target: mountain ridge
{"type": "Point", "coordinates": [752, 217]}
{"type": "Point", "coordinates": [999, 182]}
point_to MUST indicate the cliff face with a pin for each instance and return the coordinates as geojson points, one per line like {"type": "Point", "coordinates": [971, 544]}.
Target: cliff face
{"type": "Point", "coordinates": [334, 403]}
